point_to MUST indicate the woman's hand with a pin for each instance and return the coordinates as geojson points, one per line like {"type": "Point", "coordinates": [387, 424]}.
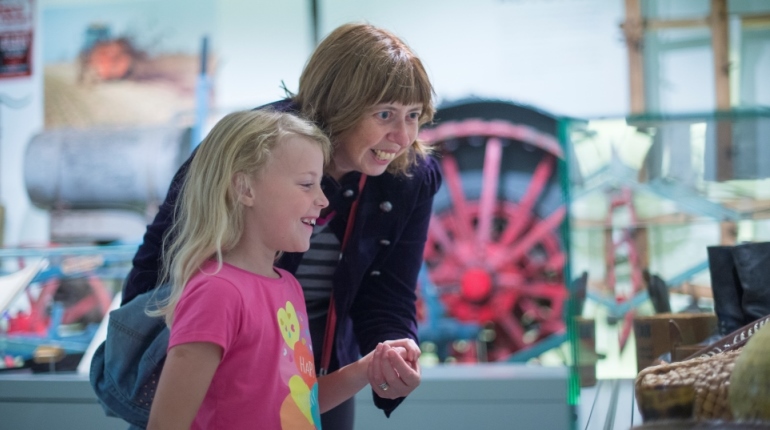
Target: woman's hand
{"type": "Point", "coordinates": [394, 370]}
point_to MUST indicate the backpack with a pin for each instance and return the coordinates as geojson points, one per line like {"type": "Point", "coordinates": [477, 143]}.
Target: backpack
{"type": "Point", "coordinates": [126, 367]}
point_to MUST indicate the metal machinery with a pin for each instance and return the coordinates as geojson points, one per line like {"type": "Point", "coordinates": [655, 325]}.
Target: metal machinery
{"type": "Point", "coordinates": [53, 302]}
{"type": "Point", "coordinates": [104, 184]}
{"type": "Point", "coordinates": [100, 187]}
{"type": "Point", "coordinates": [494, 262]}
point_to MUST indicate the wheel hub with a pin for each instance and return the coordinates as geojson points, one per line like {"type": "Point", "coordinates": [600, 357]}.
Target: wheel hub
{"type": "Point", "coordinates": [476, 285]}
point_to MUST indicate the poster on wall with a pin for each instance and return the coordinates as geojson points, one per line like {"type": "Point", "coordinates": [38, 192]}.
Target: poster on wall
{"type": "Point", "coordinates": [16, 31]}
{"type": "Point", "coordinates": [124, 63]}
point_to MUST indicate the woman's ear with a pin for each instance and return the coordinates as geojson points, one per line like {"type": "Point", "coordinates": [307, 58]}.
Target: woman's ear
{"type": "Point", "coordinates": [243, 190]}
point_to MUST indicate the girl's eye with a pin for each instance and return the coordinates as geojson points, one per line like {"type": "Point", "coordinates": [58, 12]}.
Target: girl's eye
{"type": "Point", "coordinates": [414, 115]}
{"type": "Point", "coordinates": [383, 115]}
{"type": "Point", "coordinates": [308, 185]}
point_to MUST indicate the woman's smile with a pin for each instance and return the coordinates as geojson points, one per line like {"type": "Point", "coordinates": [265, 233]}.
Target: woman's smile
{"type": "Point", "coordinates": [384, 156]}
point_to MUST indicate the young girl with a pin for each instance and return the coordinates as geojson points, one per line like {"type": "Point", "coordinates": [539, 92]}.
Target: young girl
{"type": "Point", "coordinates": [239, 354]}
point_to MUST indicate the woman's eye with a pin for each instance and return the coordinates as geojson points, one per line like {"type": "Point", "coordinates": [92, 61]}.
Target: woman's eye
{"type": "Point", "coordinates": [414, 115]}
{"type": "Point", "coordinates": [383, 115]}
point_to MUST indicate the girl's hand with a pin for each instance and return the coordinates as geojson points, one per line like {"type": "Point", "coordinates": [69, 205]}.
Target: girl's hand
{"type": "Point", "coordinates": [394, 370]}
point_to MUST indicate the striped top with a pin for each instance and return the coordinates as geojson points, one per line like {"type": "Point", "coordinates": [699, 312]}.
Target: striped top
{"type": "Point", "coordinates": [316, 270]}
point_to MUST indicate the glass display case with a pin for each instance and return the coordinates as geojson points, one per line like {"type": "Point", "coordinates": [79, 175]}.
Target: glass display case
{"type": "Point", "coordinates": [53, 300]}
{"type": "Point", "coordinates": [553, 242]}
{"type": "Point", "coordinates": [649, 194]}
{"type": "Point", "coordinates": [496, 285]}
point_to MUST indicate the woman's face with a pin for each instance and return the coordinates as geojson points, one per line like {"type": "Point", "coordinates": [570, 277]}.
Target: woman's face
{"type": "Point", "coordinates": [384, 132]}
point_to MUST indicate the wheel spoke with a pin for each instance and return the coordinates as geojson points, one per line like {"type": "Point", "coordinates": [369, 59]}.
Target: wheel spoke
{"type": "Point", "coordinates": [625, 330]}
{"type": "Point", "coordinates": [609, 257]}
{"type": "Point", "coordinates": [529, 307]}
{"type": "Point", "coordinates": [461, 213]}
{"type": "Point", "coordinates": [532, 237]}
{"type": "Point", "coordinates": [527, 203]}
{"type": "Point", "coordinates": [446, 274]}
{"type": "Point", "coordinates": [555, 262]}
{"type": "Point", "coordinates": [489, 183]}
{"type": "Point", "coordinates": [439, 234]}
{"type": "Point", "coordinates": [510, 281]}
{"type": "Point", "coordinates": [511, 327]}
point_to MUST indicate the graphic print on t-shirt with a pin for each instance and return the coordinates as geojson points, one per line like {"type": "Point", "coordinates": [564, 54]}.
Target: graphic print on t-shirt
{"type": "Point", "coordinates": [299, 409]}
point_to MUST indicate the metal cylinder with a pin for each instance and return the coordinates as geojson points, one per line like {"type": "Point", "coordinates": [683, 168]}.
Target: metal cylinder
{"type": "Point", "coordinates": [104, 168]}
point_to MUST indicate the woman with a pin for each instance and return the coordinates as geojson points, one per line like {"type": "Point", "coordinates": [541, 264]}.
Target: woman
{"type": "Point", "coordinates": [369, 93]}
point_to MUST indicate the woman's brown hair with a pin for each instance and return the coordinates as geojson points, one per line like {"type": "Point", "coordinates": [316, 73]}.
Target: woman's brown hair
{"type": "Point", "coordinates": [358, 66]}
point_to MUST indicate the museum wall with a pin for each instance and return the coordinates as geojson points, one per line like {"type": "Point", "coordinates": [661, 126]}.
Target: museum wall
{"type": "Point", "coordinates": [567, 57]}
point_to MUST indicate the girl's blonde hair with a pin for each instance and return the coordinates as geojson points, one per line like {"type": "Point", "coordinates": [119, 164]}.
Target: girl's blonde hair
{"type": "Point", "coordinates": [356, 67]}
{"type": "Point", "coordinates": [208, 220]}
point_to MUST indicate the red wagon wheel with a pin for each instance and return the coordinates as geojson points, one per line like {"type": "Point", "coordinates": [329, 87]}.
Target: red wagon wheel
{"type": "Point", "coordinates": [494, 252]}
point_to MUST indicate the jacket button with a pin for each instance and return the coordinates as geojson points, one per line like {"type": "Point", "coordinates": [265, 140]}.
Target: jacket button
{"type": "Point", "coordinates": [348, 193]}
{"type": "Point", "coordinates": [375, 273]}
{"type": "Point", "coordinates": [386, 206]}
{"type": "Point", "coordinates": [384, 242]}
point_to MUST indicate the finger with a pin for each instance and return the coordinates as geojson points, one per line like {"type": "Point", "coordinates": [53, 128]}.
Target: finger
{"type": "Point", "coordinates": [413, 352]}
{"type": "Point", "coordinates": [401, 351]}
{"type": "Point", "coordinates": [384, 380]}
{"type": "Point", "coordinates": [410, 345]}
{"type": "Point", "coordinates": [409, 352]}
{"type": "Point", "coordinates": [409, 375]}
{"type": "Point", "coordinates": [386, 368]}
{"type": "Point", "coordinates": [396, 387]}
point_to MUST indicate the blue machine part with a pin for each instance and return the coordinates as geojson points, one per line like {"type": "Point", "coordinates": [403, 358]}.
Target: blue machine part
{"type": "Point", "coordinates": [437, 326]}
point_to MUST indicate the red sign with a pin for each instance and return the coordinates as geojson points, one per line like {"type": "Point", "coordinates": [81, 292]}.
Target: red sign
{"type": "Point", "coordinates": [16, 29]}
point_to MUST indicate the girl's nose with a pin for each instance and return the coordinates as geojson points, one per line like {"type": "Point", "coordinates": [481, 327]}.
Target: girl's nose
{"type": "Point", "coordinates": [321, 199]}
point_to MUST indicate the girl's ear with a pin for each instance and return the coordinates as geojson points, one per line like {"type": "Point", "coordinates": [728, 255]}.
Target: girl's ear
{"type": "Point", "coordinates": [243, 190]}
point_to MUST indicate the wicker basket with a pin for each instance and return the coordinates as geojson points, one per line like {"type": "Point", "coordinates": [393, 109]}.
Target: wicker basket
{"type": "Point", "coordinates": [709, 375]}
{"type": "Point", "coordinates": [708, 371]}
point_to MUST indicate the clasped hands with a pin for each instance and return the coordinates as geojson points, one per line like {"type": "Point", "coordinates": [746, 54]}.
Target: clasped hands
{"type": "Point", "coordinates": [393, 369]}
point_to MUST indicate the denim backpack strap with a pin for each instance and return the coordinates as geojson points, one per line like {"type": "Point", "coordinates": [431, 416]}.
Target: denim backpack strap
{"type": "Point", "coordinates": [126, 367]}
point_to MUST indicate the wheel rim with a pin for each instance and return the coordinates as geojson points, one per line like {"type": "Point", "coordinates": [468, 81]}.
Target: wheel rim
{"type": "Point", "coordinates": [496, 261]}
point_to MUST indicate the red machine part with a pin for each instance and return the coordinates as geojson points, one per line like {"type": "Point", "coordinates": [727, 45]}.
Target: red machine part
{"type": "Point", "coordinates": [37, 320]}
{"type": "Point", "coordinates": [494, 261]}
{"type": "Point", "coordinates": [622, 242]}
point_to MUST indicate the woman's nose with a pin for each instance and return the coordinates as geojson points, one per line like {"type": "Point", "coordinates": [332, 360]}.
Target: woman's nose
{"type": "Point", "coordinates": [402, 134]}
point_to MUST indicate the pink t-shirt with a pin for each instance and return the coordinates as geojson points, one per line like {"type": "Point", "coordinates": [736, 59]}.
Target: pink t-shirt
{"type": "Point", "coordinates": [266, 379]}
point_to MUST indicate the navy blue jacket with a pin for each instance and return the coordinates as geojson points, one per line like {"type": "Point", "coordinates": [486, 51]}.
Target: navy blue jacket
{"type": "Point", "coordinates": [374, 284]}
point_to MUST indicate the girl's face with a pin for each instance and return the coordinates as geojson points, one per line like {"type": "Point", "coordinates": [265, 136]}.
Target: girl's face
{"type": "Point", "coordinates": [384, 132]}
{"type": "Point", "coordinates": [287, 197]}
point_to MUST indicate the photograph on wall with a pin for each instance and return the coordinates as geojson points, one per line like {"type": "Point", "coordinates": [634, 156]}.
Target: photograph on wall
{"type": "Point", "coordinates": [124, 63]}
{"type": "Point", "coordinates": [17, 21]}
